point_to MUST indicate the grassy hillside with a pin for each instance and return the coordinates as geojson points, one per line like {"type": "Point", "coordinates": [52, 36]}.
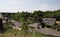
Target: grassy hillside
{"type": "Point", "coordinates": [15, 33]}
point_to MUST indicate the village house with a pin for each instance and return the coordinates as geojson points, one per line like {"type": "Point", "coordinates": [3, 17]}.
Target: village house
{"type": "Point", "coordinates": [46, 22]}
{"type": "Point", "coordinates": [49, 21]}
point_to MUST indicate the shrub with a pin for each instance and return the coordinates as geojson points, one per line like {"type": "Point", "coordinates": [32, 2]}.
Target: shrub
{"type": "Point", "coordinates": [53, 27]}
{"type": "Point", "coordinates": [58, 27]}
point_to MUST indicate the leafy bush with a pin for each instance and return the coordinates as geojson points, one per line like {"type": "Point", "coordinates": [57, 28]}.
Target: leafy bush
{"type": "Point", "coordinates": [53, 27]}
{"type": "Point", "coordinates": [58, 27]}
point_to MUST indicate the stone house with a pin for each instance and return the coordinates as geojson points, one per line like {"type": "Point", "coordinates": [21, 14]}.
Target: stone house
{"type": "Point", "coordinates": [49, 21]}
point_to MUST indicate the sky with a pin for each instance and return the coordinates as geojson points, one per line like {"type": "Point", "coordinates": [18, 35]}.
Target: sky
{"type": "Point", "coordinates": [28, 5]}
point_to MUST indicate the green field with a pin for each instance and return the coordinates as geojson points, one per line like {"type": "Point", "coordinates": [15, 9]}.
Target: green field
{"type": "Point", "coordinates": [16, 33]}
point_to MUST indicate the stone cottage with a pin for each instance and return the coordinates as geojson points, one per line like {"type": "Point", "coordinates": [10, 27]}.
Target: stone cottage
{"type": "Point", "coordinates": [49, 21]}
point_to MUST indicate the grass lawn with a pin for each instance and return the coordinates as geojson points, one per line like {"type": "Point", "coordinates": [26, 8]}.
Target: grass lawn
{"type": "Point", "coordinates": [58, 22]}
{"type": "Point", "coordinates": [15, 33]}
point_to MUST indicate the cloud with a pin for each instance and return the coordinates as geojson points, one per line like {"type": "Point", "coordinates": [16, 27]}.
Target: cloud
{"type": "Point", "coordinates": [8, 5]}
{"type": "Point", "coordinates": [44, 7]}
{"type": "Point", "coordinates": [28, 5]}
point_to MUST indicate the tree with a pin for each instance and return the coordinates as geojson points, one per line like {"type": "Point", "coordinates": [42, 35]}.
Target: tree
{"type": "Point", "coordinates": [37, 15]}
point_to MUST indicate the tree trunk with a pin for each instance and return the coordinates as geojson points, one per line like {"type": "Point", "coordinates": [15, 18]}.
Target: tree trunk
{"type": "Point", "coordinates": [1, 25]}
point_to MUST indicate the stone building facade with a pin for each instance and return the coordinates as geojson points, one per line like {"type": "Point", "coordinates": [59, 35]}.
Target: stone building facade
{"type": "Point", "coordinates": [49, 21]}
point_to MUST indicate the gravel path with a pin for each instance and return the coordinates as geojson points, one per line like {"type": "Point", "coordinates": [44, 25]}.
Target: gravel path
{"type": "Point", "coordinates": [49, 31]}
